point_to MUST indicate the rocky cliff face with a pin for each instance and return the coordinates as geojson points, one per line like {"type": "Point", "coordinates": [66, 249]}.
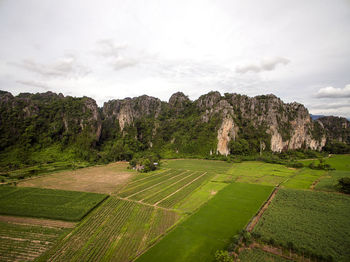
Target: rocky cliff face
{"type": "Point", "coordinates": [126, 111]}
{"type": "Point", "coordinates": [337, 128]}
{"type": "Point", "coordinates": [212, 122]}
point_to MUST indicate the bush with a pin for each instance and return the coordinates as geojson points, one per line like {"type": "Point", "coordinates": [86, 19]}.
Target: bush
{"type": "Point", "coordinates": [344, 184]}
{"type": "Point", "coordinates": [223, 256]}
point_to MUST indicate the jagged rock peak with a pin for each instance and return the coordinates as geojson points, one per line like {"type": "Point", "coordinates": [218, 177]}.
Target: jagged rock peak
{"type": "Point", "coordinates": [178, 98]}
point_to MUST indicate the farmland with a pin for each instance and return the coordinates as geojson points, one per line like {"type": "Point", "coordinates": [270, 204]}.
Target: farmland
{"type": "Point", "coordinates": [99, 179]}
{"type": "Point", "coordinates": [209, 229]}
{"type": "Point", "coordinates": [188, 207]}
{"type": "Point", "coordinates": [117, 231]}
{"type": "Point", "coordinates": [47, 203]}
{"type": "Point", "coordinates": [19, 242]}
{"type": "Point", "coordinates": [319, 223]}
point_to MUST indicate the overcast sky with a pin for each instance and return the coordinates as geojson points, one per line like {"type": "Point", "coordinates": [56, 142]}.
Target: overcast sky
{"type": "Point", "coordinates": [298, 50]}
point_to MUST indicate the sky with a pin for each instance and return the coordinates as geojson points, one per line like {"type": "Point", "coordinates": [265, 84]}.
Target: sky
{"type": "Point", "coordinates": [111, 49]}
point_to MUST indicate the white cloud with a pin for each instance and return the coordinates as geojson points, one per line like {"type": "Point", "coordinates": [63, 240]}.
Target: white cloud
{"type": "Point", "coordinates": [66, 67]}
{"type": "Point", "coordinates": [266, 64]}
{"type": "Point", "coordinates": [332, 92]}
{"type": "Point", "coordinates": [34, 84]}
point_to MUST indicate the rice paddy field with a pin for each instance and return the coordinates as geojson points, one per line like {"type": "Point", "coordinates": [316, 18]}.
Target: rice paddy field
{"type": "Point", "coordinates": [184, 211]}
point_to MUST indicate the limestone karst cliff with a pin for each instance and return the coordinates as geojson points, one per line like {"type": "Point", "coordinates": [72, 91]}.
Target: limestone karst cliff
{"type": "Point", "coordinates": [213, 123]}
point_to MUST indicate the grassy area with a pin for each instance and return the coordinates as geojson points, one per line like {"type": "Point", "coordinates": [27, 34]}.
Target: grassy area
{"type": "Point", "coordinates": [47, 203]}
{"type": "Point", "coordinates": [330, 181]}
{"type": "Point", "coordinates": [117, 231]}
{"type": "Point", "coordinates": [311, 223]}
{"type": "Point", "coordinates": [200, 196]}
{"type": "Point", "coordinates": [339, 162]}
{"type": "Point", "coordinates": [210, 166]}
{"type": "Point", "coordinates": [258, 255]}
{"type": "Point", "coordinates": [304, 178]}
{"type": "Point", "coordinates": [21, 242]}
{"type": "Point", "coordinates": [209, 229]}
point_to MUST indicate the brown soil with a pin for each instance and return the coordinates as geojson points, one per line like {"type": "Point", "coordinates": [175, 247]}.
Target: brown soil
{"type": "Point", "coordinates": [37, 222]}
{"type": "Point", "coordinates": [99, 179]}
{"type": "Point", "coordinates": [256, 219]}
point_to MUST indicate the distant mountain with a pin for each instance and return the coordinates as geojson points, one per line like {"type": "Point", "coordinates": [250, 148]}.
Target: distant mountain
{"type": "Point", "coordinates": [315, 117]}
{"type": "Point", "coordinates": [212, 124]}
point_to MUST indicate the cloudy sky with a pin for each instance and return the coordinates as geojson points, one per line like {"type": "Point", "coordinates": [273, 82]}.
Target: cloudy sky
{"type": "Point", "coordinates": [298, 50]}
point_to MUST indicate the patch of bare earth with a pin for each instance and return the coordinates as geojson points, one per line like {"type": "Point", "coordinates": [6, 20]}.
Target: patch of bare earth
{"type": "Point", "coordinates": [37, 222]}
{"type": "Point", "coordinates": [98, 179]}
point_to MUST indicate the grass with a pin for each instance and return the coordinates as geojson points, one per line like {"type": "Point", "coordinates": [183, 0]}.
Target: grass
{"type": "Point", "coordinates": [117, 231]}
{"type": "Point", "coordinates": [304, 178]}
{"type": "Point", "coordinates": [258, 255]}
{"type": "Point", "coordinates": [209, 229]}
{"type": "Point", "coordinates": [339, 162]}
{"type": "Point", "coordinates": [330, 181]}
{"type": "Point", "coordinates": [312, 223]}
{"type": "Point", "coordinates": [47, 203]}
{"type": "Point", "coordinates": [20, 242]}
{"type": "Point", "coordinates": [210, 166]}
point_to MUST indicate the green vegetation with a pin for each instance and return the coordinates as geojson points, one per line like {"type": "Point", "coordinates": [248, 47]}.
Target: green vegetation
{"type": "Point", "coordinates": [304, 178]}
{"type": "Point", "coordinates": [209, 229]}
{"type": "Point", "coordinates": [314, 224]}
{"type": "Point", "coordinates": [117, 231]}
{"type": "Point", "coordinates": [209, 166]}
{"type": "Point", "coordinates": [257, 255]}
{"type": "Point", "coordinates": [47, 203]}
{"type": "Point", "coordinates": [330, 182]}
{"type": "Point", "coordinates": [20, 242]}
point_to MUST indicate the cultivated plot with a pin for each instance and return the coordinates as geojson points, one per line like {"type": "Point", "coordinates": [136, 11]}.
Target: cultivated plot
{"type": "Point", "coordinates": [311, 223]}
{"type": "Point", "coordinates": [26, 242]}
{"type": "Point", "coordinates": [164, 189]}
{"type": "Point", "coordinates": [211, 227]}
{"type": "Point", "coordinates": [100, 179]}
{"type": "Point", "coordinates": [258, 255]}
{"type": "Point", "coordinates": [117, 231]}
{"type": "Point", "coordinates": [47, 203]}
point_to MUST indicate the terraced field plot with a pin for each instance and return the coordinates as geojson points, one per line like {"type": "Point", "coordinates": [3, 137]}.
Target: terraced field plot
{"type": "Point", "coordinates": [116, 231]}
{"type": "Point", "coordinates": [47, 203]}
{"type": "Point", "coordinates": [24, 242]}
{"type": "Point", "coordinates": [164, 189]}
{"type": "Point", "coordinates": [313, 223]}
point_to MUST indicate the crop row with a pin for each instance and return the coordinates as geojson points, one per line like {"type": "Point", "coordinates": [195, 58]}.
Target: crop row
{"type": "Point", "coordinates": [25, 242]}
{"type": "Point", "coordinates": [145, 177]}
{"type": "Point", "coordinates": [116, 231]}
{"type": "Point", "coordinates": [129, 190]}
{"type": "Point", "coordinates": [153, 199]}
{"type": "Point", "coordinates": [184, 192]}
{"type": "Point", "coordinates": [159, 187]}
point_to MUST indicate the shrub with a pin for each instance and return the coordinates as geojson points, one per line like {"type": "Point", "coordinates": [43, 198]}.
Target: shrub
{"type": "Point", "coordinates": [344, 184]}
{"type": "Point", "coordinates": [223, 256]}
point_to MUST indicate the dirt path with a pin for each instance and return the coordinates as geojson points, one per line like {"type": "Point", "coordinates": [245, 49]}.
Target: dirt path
{"type": "Point", "coordinates": [37, 222]}
{"type": "Point", "coordinates": [256, 219]}
{"type": "Point", "coordinates": [180, 188]}
{"type": "Point", "coordinates": [276, 251]}
{"type": "Point", "coordinates": [142, 203]}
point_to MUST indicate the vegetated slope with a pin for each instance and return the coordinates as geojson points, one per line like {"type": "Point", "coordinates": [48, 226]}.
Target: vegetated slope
{"type": "Point", "coordinates": [116, 231]}
{"type": "Point", "coordinates": [47, 203]}
{"type": "Point", "coordinates": [71, 129]}
{"type": "Point", "coordinates": [257, 255]}
{"type": "Point", "coordinates": [311, 223]}
{"type": "Point", "coordinates": [209, 229]}
{"type": "Point", "coordinates": [25, 242]}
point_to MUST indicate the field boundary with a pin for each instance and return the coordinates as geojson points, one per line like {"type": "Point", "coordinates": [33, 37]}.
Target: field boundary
{"type": "Point", "coordinates": [252, 223]}
{"type": "Point", "coordinates": [29, 221]}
